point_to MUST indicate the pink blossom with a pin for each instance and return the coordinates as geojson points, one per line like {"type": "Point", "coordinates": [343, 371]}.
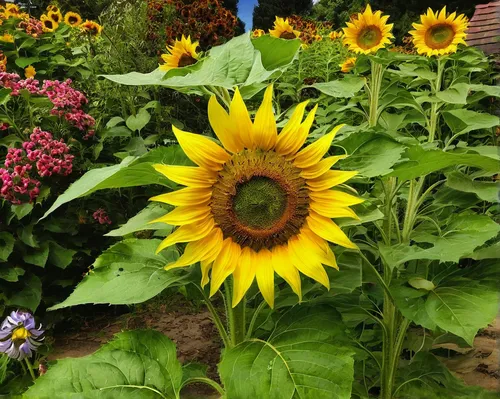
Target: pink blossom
{"type": "Point", "coordinates": [4, 126]}
{"type": "Point", "coordinates": [101, 216]}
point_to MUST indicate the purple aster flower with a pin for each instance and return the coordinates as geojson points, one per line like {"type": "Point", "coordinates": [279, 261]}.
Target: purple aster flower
{"type": "Point", "coordinates": [19, 337]}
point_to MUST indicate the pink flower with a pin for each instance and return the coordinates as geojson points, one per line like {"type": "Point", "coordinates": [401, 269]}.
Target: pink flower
{"type": "Point", "coordinates": [101, 216]}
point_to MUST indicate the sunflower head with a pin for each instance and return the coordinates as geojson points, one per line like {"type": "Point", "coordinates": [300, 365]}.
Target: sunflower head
{"type": "Point", "coordinates": [48, 25]}
{"type": "Point", "coordinates": [181, 54]}
{"type": "Point", "coordinates": [348, 64]}
{"type": "Point", "coordinates": [368, 32]}
{"type": "Point", "coordinates": [72, 19]}
{"type": "Point", "coordinates": [283, 30]}
{"type": "Point", "coordinates": [260, 204]}
{"type": "Point", "coordinates": [258, 33]}
{"type": "Point", "coordinates": [439, 33]}
{"type": "Point", "coordinates": [52, 8]}
{"type": "Point", "coordinates": [335, 35]}
{"type": "Point", "coordinates": [29, 72]}
{"type": "Point", "coordinates": [318, 38]}
{"type": "Point", "coordinates": [7, 38]}
{"type": "Point", "coordinates": [91, 27]}
{"type": "Point", "coordinates": [55, 16]}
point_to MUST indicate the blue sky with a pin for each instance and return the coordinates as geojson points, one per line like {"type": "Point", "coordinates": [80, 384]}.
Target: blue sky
{"type": "Point", "coordinates": [245, 10]}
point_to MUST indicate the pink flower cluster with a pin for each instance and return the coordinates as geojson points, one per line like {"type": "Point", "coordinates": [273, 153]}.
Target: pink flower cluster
{"type": "Point", "coordinates": [101, 216]}
{"type": "Point", "coordinates": [42, 154]}
{"type": "Point", "coordinates": [32, 27]}
{"type": "Point", "coordinates": [67, 101]}
{"type": "Point", "coordinates": [4, 126]}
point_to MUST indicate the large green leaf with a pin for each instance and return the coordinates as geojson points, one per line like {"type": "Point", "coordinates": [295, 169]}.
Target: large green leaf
{"type": "Point", "coordinates": [487, 191]}
{"type": "Point", "coordinates": [130, 172]}
{"type": "Point", "coordinates": [420, 162]}
{"type": "Point", "coordinates": [139, 364]}
{"type": "Point", "coordinates": [29, 296]}
{"type": "Point", "coordinates": [60, 256]}
{"type": "Point", "coordinates": [128, 272]}
{"type": "Point", "coordinates": [303, 358]}
{"type": "Point", "coordinates": [456, 94]}
{"type": "Point", "coordinates": [6, 245]}
{"type": "Point", "coordinates": [141, 221]}
{"type": "Point", "coordinates": [10, 274]}
{"type": "Point", "coordinates": [461, 121]}
{"type": "Point", "coordinates": [463, 234]}
{"type": "Point", "coordinates": [276, 53]}
{"type": "Point", "coordinates": [346, 87]}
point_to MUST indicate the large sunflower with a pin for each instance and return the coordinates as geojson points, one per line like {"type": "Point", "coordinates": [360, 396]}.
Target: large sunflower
{"type": "Point", "coordinates": [48, 24]}
{"type": "Point", "coordinates": [181, 54]}
{"type": "Point", "coordinates": [439, 34]}
{"type": "Point", "coordinates": [283, 29]}
{"type": "Point", "coordinates": [55, 16]}
{"type": "Point", "coordinates": [368, 32]}
{"type": "Point", "coordinates": [72, 19]}
{"type": "Point", "coordinates": [259, 205]}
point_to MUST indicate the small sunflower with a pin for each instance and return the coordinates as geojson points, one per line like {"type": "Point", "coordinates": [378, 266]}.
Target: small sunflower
{"type": "Point", "coordinates": [48, 24]}
{"type": "Point", "coordinates": [335, 35]}
{"type": "Point", "coordinates": [368, 32]}
{"type": "Point", "coordinates": [283, 29]}
{"type": "Point", "coordinates": [318, 38]}
{"type": "Point", "coordinates": [3, 62]}
{"type": "Point", "coordinates": [72, 19]}
{"type": "Point", "coordinates": [258, 33]}
{"type": "Point", "coordinates": [181, 54]}
{"type": "Point", "coordinates": [348, 64]}
{"type": "Point", "coordinates": [260, 204]}
{"type": "Point", "coordinates": [7, 38]}
{"type": "Point", "coordinates": [439, 33]}
{"type": "Point", "coordinates": [29, 72]}
{"type": "Point", "coordinates": [91, 27]}
{"type": "Point", "coordinates": [55, 16]}
{"type": "Point", "coordinates": [52, 8]}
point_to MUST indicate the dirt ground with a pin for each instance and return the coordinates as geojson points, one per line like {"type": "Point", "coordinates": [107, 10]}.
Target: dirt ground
{"type": "Point", "coordinates": [197, 341]}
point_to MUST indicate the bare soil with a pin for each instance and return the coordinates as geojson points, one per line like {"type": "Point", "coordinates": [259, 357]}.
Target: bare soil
{"type": "Point", "coordinates": [197, 340]}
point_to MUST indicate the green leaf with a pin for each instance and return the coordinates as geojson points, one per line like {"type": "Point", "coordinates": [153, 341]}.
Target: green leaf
{"type": "Point", "coordinates": [10, 274]}
{"type": "Point", "coordinates": [275, 52]}
{"type": "Point", "coordinates": [130, 173]}
{"type": "Point", "coordinates": [60, 256]}
{"type": "Point", "coordinates": [411, 303]}
{"type": "Point", "coordinates": [420, 162]}
{"type": "Point", "coordinates": [491, 252]}
{"type": "Point", "coordinates": [6, 245]}
{"type": "Point", "coordinates": [22, 210]}
{"type": "Point", "coordinates": [141, 221]}
{"type": "Point", "coordinates": [303, 358]}
{"type": "Point", "coordinates": [374, 158]}
{"type": "Point", "coordinates": [461, 121]}
{"type": "Point", "coordinates": [345, 87]}
{"type": "Point", "coordinates": [421, 284]}
{"type": "Point", "coordinates": [37, 256]}
{"type": "Point", "coordinates": [29, 296]}
{"type": "Point", "coordinates": [128, 272]}
{"type": "Point", "coordinates": [137, 122]}
{"type": "Point", "coordinates": [136, 364]}
{"type": "Point", "coordinates": [462, 307]}
{"type": "Point", "coordinates": [462, 236]}
{"type": "Point", "coordinates": [23, 62]}
{"type": "Point", "coordinates": [456, 94]}
{"type": "Point", "coordinates": [487, 191]}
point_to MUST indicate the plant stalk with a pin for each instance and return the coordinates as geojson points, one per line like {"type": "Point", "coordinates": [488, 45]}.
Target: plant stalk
{"type": "Point", "coordinates": [30, 368]}
{"type": "Point", "coordinates": [217, 321]}
{"type": "Point", "coordinates": [374, 92]}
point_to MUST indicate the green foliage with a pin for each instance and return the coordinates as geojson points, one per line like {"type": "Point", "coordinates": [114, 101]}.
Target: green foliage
{"type": "Point", "coordinates": [265, 11]}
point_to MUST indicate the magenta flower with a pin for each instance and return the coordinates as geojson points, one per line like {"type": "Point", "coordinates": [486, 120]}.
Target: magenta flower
{"type": "Point", "coordinates": [19, 337]}
{"type": "Point", "coordinates": [101, 216]}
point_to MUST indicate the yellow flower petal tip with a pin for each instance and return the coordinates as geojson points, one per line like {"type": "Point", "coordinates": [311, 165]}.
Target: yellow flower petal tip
{"type": "Point", "coordinates": [259, 205]}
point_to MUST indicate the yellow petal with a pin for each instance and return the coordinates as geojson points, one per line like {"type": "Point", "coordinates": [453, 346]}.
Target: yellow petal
{"type": "Point", "coordinates": [306, 262]}
{"type": "Point", "coordinates": [199, 251]}
{"type": "Point", "coordinates": [335, 198]}
{"type": "Point", "coordinates": [188, 175]}
{"type": "Point", "coordinates": [314, 152]}
{"type": "Point", "coordinates": [224, 264]}
{"type": "Point", "coordinates": [321, 167]}
{"type": "Point", "coordinates": [288, 135]}
{"type": "Point", "coordinates": [329, 179]}
{"type": "Point", "coordinates": [317, 246]}
{"type": "Point", "coordinates": [185, 197]}
{"type": "Point", "coordinates": [265, 132]}
{"type": "Point", "coordinates": [184, 215]}
{"type": "Point", "coordinates": [282, 265]}
{"type": "Point", "coordinates": [201, 150]}
{"type": "Point", "coordinates": [296, 140]}
{"type": "Point", "coordinates": [206, 266]}
{"type": "Point", "coordinates": [240, 120]}
{"type": "Point", "coordinates": [265, 275]}
{"type": "Point", "coordinates": [244, 274]}
{"type": "Point", "coordinates": [328, 230]}
{"type": "Point", "coordinates": [187, 233]}
{"type": "Point", "coordinates": [221, 124]}
{"type": "Point", "coordinates": [329, 211]}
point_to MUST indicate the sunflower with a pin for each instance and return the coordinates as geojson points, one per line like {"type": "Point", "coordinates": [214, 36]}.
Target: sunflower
{"type": "Point", "coordinates": [259, 205]}
{"type": "Point", "coordinates": [48, 24]}
{"type": "Point", "coordinates": [318, 38]}
{"type": "Point", "coordinates": [283, 29]}
{"type": "Point", "coordinates": [29, 72]}
{"type": "Point", "coordinates": [91, 27]}
{"type": "Point", "coordinates": [258, 33]}
{"type": "Point", "coordinates": [55, 16]}
{"type": "Point", "coordinates": [72, 19]}
{"type": "Point", "coordinates": [52, 8]}
{"type": "Point", "coordinates": [181, 54]}
{"type": "Point", "coordinates": [7, 38]}
{"type": "Point", "coordinates": [348, 64]}
{"type": "Point", "coordinates": [368, 32]}
{"type": "Point", "coordinates": [439, 34]}
{"type": "Point", "coordinates": [335, 35]}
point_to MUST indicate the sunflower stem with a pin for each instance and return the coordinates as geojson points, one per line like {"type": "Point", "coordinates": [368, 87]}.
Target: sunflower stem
{"type": "Point", "coordinates": [238, 325]}
{"type": "Point", "coordinates": [436, 87]}
{"type": "Point", "coordinates": [374, 92]}
{"type": "Point", "coordinates": [30, 368]}
{"type": "Point", "coordinates": [254, 319]}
